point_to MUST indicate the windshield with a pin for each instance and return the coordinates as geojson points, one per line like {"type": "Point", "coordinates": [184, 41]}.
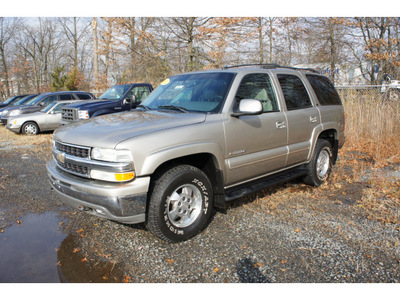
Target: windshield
{"type": "Point", "coordinates": [48, 107]}
{"type": "Point", "coordinates": [203, 92]}
{"type": "Point", "coordinates": [23, 100]}
{"type": "Point", "coordinates": [116, 92]}
{"type": "Point", "coordinates": [36, 100]}
{"type": "Point", "coordinates": [8, 100]}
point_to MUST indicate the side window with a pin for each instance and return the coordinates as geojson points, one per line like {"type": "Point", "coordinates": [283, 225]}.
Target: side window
{"type": "Point", "coordinates": [66, 97]}
{"type": "Point", "coordinates": [49, 100]}
{"type": "Point", "coordinates": [294, 92]}
{"type": "Point", "coordinates": [141, 93]}
{"type": "Point", "coordinates": [259, 87]}
{"type": "Point", "coordinates": [59, 106]}
{"type": "Point", "coordinates": [83, 96]}
{"type": "Point", "coordinates": [324, 89]}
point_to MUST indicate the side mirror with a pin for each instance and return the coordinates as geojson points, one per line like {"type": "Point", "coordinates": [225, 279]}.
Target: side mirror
{"type": "Point", "coordinates": [41, 103]}
{"type": "Point", "coordinates": [248, 107]}
{"type": "Point", "coordinates": [129, 100]}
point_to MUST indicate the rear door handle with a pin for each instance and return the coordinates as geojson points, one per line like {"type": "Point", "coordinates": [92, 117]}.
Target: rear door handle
{"type": "Point", "coordinates": [280, 125]}
{"type": "Point", "coordinates": [313, 119]}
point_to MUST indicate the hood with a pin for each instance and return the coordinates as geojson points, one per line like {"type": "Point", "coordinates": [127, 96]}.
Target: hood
{"type": "Point", "coordinates": [30, 108]}
{"type": "Point", "coordinates": [109, 130]}
{"type": "Point", "coordinates": [84, 105]}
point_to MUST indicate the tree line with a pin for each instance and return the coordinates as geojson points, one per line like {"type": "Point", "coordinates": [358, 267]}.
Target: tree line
{"type": "Point", "coordinates": [77, 53]}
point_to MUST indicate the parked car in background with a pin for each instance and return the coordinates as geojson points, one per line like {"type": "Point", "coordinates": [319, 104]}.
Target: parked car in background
{"type": "Point", "coordinates": [11, 100]}
{"type": "Point", "coordinates": [47, 119]}
{"type": "Point", "coordinates": [120, 97]}
{"type": "Point", "coordinates": [19, 102]}
{"type": "Point", "coordinates": [37, 103]}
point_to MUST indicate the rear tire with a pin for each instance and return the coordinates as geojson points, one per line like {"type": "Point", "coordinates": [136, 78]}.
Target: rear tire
{"type": "Point", "coordinates": [180, 204]}
{"type": "Point", "coordinates": [320, 166]}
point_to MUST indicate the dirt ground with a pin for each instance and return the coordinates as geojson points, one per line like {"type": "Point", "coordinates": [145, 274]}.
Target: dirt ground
{"type": "Point", "coordinates": [348, 230]}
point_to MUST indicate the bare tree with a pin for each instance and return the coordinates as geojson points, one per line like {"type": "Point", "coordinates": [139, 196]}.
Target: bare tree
{"type": "Point", "coordinates": [8, 30]}
{"type": "Point", "coordinates": [41, 43]}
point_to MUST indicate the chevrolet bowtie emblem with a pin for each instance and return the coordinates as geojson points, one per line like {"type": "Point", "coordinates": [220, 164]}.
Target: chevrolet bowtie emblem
{"type": "Point", "coordinates": [61, 157]}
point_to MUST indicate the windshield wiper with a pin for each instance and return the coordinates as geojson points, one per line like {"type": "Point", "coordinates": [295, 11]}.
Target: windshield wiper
{"type": "Point", "coordinates": [174, 107]}
{"type": "Point", "coordinates": [143, 106]}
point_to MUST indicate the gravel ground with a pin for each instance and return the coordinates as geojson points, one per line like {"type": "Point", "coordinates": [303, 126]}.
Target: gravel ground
{"type": "Point", "coordinates": [288, 233]}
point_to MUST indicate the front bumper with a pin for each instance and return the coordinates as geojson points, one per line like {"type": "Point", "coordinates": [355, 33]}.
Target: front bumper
{"type": "Point", "coordinates": [121, 202]}
{"type": "Point", "coordinates": [13, 128]}
{"type": "Point", "coordinates": [4, 121]}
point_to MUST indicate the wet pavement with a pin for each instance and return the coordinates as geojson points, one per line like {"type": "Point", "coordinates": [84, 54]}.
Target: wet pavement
{"type": "Point", "coordinates": [29, 249]}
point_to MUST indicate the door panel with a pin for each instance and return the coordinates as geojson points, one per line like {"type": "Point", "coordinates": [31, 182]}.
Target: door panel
{"type": "Point", "coordinates": [302, 117]}
{"type": "Point", "coordinates": [255, 145]}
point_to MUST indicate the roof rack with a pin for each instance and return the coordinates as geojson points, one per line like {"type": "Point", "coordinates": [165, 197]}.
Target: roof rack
{"type": "Point", "coordinates": [269, 66]}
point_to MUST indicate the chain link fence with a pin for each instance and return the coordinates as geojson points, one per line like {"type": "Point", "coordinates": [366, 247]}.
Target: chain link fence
{"type": "Point", "coordinates": [367, 92]}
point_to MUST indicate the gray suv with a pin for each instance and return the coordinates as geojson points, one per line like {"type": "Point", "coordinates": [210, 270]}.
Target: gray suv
{"type": "Point", "coordinates": [199, 140]}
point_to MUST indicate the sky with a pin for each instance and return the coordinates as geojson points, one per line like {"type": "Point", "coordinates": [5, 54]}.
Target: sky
{"type": "Point", "coordinates": [220, 8]}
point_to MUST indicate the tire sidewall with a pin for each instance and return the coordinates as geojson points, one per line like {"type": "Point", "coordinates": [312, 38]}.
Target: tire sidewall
{"type": "Point", "coordinates": [324, 145]}
{"type": "Point", "coordinates": [170, 184]}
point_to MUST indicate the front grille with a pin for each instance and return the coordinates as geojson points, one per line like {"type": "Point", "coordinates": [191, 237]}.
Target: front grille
{"type": "Point", "coordinates": [72, 150]}
{"type": "Point", "coordinates": [74, 168]}
{"type": "Point", "coordinates": [69, 114]}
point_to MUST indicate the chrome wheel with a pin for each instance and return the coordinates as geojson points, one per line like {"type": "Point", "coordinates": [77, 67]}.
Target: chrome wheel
{"type": "Point", "coordinates": [323, 164]}
{"type": "Point", "coordinates": [30, 129]}
{"type": "Point", "coordinates": [184, 205]}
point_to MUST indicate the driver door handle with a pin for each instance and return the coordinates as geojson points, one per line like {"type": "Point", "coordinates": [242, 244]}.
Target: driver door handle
{"type": "Point", "coordinates": [281, 125]}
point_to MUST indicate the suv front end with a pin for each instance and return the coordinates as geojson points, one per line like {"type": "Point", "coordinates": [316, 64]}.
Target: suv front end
{"type": "Point", "coordinates": [99, 181]}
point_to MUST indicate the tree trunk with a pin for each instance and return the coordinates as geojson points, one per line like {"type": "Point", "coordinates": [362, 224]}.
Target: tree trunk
{"type": "Point", "coordinates": [95, 50]}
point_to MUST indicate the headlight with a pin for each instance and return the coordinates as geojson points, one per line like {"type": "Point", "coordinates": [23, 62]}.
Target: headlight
{"type": "Point", "coordinates": [112, 155]}
{"type": "Point", "coordinates": [83, 114]}
{"type": "Point", "coordinates": [4, 112]}
{"type": "Point", "coordinates": [15, 113]}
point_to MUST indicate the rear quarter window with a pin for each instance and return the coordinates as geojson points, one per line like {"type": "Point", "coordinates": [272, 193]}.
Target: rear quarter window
{"type": "Point", "coordinates": [324, 90]}
{"type": "Point", "coordinates": [83, 96]}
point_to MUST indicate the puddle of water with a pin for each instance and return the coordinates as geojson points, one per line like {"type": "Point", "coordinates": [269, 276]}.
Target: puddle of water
{"type": "Point", "coordinates": [36, 251]}
{"type": "Point", "coordinates": [74, 267]}
{"type": "Point", "coordinates": [28, 251]}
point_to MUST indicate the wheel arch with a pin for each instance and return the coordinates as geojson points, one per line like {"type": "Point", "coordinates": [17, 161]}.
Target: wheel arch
{"type": "Point", "coordinates": [30, 121]}
{"type": "Point", "coordinates": [206, 162]}
{"type": "Point", "coordinates": [331, 135]}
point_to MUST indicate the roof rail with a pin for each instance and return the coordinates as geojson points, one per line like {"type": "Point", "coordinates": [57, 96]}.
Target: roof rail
{"type": "Point", "coordinates": [270, 66]}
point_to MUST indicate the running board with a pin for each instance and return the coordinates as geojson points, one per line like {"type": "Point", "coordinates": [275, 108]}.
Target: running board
{"type": "Point", "coordinates": [263, 183]}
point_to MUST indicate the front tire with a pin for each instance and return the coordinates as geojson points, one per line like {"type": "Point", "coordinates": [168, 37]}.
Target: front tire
{"type": "Point", "coordinates": [30, 128]}
{"type": "Point", "coordinates": [180, 204]}
{"type": "Point", "coordinates": [320, 166]}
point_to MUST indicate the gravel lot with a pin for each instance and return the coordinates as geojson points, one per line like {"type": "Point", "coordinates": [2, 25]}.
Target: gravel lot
{"type": "Point", "coordinates": [288, 233]}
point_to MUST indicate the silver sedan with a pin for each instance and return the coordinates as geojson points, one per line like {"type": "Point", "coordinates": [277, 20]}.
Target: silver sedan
{"type": "Point", "coordinates": [47, 119]}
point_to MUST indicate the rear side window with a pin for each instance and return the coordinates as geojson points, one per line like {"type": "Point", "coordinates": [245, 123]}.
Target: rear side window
{"type": "Point", "coordinates": [294, 92]}
{"type": "Point", "coordinates": [324, 89]}
{"type": "Point", "coordinates": [66, 97]}
{"type": "Point", "coordinates": [83, 96]}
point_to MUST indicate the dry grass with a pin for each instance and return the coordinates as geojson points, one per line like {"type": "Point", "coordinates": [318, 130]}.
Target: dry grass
{"type": "Point", "coordinates": [38, 143]}
{"type": "Point", "coordinates": [373, 127]}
